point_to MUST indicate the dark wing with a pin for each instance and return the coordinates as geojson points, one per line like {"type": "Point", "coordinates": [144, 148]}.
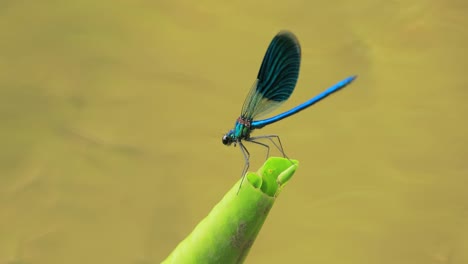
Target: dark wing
{"type": "Point", "coordinates": [276, 78]}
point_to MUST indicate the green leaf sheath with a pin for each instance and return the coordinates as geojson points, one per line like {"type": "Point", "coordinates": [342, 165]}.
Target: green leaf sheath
{"type": "Point", "coordinates": [228, 232]}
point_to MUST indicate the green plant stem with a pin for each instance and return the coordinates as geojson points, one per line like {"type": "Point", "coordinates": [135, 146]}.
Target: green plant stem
{"type": "Point", "coordinates": [228, 232]}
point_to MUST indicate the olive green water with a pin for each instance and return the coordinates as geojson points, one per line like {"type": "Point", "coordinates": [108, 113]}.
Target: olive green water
{"type": "Point", "coordinates": [112, 114]}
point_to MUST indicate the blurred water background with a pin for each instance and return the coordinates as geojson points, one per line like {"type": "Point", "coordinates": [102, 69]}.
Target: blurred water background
{"type": "Point", "coordinates": [112, 114]}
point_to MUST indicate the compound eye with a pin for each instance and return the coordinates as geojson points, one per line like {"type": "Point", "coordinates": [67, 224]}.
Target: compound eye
{"type": "Point", "coordinates": [226, 140]}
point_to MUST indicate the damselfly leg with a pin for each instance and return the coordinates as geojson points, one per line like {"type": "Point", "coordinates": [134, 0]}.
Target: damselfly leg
{"type": "Point", "coordinates": [246, 153]}
{"type": "Point", "coordinates": [270, 137]}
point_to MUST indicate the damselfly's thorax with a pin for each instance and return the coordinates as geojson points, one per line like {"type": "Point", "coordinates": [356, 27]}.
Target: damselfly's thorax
{"type": "Point", "coordinates": [242, 130]}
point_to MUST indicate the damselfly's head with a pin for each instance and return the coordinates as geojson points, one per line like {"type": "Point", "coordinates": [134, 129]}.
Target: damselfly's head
{"type": "Point", "coordinates": [228, 138]}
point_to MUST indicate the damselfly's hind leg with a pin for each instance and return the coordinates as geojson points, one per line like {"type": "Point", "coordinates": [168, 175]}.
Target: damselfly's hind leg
{"type": "Point", "coordinates": [246, 153]}
{"type": "Point", "coordinates": [270, 137]}
{"type": "Point", "coordinates": [261, 144]}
